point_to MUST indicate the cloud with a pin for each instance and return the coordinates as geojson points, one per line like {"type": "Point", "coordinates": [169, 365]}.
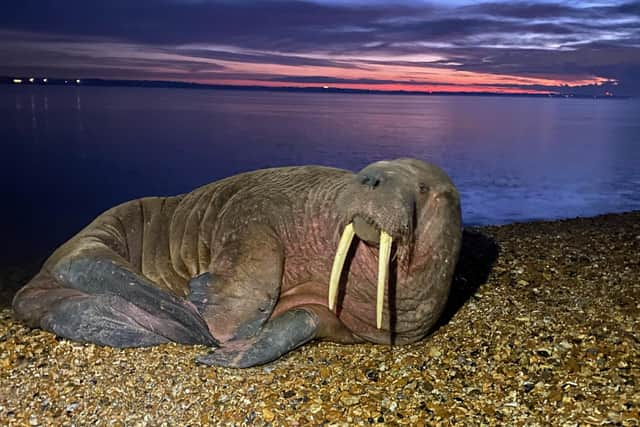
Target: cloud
{"type": "Point", "coordinates": [342, 81]}
{"type": "Point", "coordinates": [408, 42]}
{"type": "Point", "coordinates": [261, 58]}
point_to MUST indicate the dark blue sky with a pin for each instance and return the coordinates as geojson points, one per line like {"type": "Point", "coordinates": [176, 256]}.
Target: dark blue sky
{"type": "Point", "coordinates": [592, 46]}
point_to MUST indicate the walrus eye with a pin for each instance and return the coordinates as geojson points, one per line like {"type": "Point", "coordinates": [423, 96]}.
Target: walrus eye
{"type": "Point", "coordinates": [424, 188]}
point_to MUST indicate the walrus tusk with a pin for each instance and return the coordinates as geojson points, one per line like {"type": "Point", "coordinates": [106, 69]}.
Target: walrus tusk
{"type": "Point", "coordinates": [338, 263]}
{"type": "Point", "coordinates": [383, 268]}
{"type": "Point", "coordinates": [383, 273]}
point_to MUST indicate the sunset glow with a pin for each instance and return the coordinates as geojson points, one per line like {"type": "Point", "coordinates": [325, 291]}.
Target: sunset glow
{"type": "Point", "coordinates": [445, 46]}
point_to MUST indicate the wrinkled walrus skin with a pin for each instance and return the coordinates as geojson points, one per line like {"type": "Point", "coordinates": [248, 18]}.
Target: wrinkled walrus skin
{"type": "Point", "coordinates": [243, 264]}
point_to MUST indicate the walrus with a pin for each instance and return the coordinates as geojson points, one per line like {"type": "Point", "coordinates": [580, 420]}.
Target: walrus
{"type": "Point", "coordinates": [246, 265]}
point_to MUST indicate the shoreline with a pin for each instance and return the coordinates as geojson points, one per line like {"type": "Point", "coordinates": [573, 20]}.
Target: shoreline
{"type": "Point", "coordinates": [542, 328]}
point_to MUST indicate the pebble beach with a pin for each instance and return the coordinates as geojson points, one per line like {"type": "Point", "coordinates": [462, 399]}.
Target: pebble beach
{"type": "Point", "coordinates": [542, 328]}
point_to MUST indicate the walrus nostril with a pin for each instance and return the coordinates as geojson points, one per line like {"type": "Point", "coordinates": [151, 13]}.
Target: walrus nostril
{"type": "Point", "coordinates": [371, 179]}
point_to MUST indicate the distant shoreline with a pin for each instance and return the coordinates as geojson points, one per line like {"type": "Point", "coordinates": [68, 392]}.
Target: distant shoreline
{"type": "Point", "coordinates": [39, 81]}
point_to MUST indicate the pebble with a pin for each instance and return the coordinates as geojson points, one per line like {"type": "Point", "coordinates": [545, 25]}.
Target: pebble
{"type": "Point", "coordinates": [268, 414]}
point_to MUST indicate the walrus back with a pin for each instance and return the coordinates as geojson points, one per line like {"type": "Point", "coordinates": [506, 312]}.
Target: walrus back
{"type": "Point", "coordinates": [138, 233]}
{"type": "Point", "coordinates": [170, 240]}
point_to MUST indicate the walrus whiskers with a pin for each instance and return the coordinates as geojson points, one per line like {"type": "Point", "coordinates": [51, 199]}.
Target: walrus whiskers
{"type": "Point", "coordinates": [338, 263]}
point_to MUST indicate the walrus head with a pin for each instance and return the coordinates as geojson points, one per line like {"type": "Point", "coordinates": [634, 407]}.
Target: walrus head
{"type": "Point", "coordinates": [405, 205]}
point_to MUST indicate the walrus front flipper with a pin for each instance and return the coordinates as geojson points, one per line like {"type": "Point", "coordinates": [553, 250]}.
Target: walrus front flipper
{"type": "Point", "coordinates": [280, 335]}
{"type": "Point", "coordinates": [236, 298]}
{"type": "Point", "coordinates": [291, 329]}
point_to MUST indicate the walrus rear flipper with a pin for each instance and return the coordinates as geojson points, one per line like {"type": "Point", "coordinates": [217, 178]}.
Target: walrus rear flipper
{"type": "Point", "coordinates": [108, 320]}
{"type": "Point", "coordinates": [100, 301]}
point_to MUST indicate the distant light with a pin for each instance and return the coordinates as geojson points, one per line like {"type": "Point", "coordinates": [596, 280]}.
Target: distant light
{"type": "Point", "coordinates": [66, 81]}
{"type": "Point", "coordinates": [17, 81]}
{"type": "Point", "coordinates": [325, 87]}
{"type": "Point", "coordinates": [44, 80]}
{"type": "Point", "coordinates": [78, 81]}
{"type": "Point", "coordinates": [31, 79]}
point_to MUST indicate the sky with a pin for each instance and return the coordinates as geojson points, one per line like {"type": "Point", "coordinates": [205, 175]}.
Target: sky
{"type": "Point", "coordinates": [564, 46]}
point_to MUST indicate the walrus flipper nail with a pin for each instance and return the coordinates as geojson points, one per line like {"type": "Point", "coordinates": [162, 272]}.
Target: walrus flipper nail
{"type": "Point", "coordinates": [279, 336]}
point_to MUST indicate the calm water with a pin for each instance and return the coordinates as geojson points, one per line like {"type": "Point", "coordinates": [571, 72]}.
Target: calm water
{"type": "Point", "coordinates": [69, 153]}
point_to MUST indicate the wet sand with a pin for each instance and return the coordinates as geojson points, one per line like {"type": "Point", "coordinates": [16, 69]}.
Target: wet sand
{"type": "Point", "coordinates": [543, 328]}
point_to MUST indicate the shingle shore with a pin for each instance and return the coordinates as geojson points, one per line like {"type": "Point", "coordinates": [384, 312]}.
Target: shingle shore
{"type": "Point", "coordinates": [543, 328]}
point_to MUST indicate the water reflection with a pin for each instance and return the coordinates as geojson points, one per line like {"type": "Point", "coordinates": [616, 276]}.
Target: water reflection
{"type": "Point", "coordinates": [34, 122]}
{"type": "Point", "coordinates": [513, 159]}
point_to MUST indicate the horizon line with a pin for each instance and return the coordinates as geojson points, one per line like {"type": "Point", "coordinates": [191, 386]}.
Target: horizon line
{"type": "Point", "coordinates": [171, 84]}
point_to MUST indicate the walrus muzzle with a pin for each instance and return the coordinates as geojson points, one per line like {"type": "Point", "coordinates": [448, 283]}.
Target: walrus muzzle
{"type": "Point", "coordinates": [383, 268]}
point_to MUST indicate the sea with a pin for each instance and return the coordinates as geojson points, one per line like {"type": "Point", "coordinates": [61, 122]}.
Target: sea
{"type": "Point", "coordinates": [69, 153]}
